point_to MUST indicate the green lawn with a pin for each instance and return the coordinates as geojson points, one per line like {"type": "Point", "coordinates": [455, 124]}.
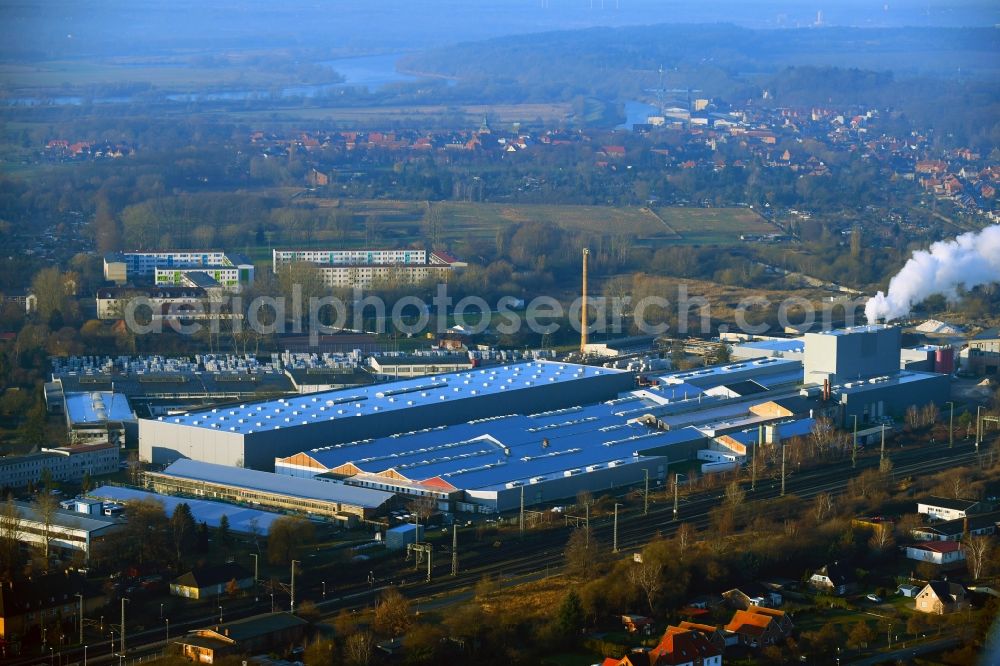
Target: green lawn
{"type": "Point", "coordinates": [714, 225]}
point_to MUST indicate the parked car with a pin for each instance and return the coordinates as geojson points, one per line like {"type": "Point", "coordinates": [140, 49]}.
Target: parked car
{"type": "Point", "coordinates": [874, 598]}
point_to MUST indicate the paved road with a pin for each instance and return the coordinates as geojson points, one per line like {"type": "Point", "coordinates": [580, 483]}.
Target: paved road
{"type": "Point", "coordinates": [908, 652]}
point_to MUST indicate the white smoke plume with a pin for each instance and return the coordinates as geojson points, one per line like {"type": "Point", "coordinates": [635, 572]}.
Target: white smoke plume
{"type": "Point", "coordinates": [970, 259]}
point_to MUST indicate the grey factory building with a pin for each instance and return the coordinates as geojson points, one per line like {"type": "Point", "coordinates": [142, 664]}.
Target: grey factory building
{"type": "Point", "coordinates": [847, 354]}
{"type": "Point", "coordinates": [254, 434]}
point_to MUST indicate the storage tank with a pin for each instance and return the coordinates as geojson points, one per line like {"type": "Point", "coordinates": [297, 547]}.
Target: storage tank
{"type": "Point", "coordinates": [944, 360]}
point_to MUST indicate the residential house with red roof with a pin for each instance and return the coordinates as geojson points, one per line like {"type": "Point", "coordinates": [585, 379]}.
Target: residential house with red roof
{"type": "Point", "coordinates": [937, 552]}
{"type": "Point", "coordinates": [757, 629]}
{"type": "Point", "coordinates": [678, 647]}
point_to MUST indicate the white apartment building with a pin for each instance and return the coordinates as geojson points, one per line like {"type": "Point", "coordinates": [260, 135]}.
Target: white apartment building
{"type": "Point", "coordinates": [63, 463]}
{"type": "Point", "coordinates": [168, 266]}
{"type": "Point", "coordinates": [375, 276]}
{"type": "Point", "coordinates": [371, 257]}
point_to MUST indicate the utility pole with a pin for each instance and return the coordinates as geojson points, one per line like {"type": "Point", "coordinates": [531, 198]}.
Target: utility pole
{"type": "Point", "coordinates": [80, 597]}
{"type": "Point", "coordinates": [121, 643]}
{"type": "Point", "coordinates": [951, 424]}
{"type": "Point", "coordinates": [782, 468]}
{"type": "Point", "coordinates": [854, 447]}
{"type": "Point", "coordinates": [614, 548]}
{"type": "Point", "coordinates": [881, 452]}
{"type": "Point", "coordinates": [675, 496]}
{"type": "Point", "coordinates": [588, 525]}
{"type": "Point", "coordinates": [645, 495]}
{"type": "Point", "coordinates": [521, 517]}
{"type": "Point", "coordinates": [454, 549]}
{"type": "Point", "coordinates": [254, 556]}
{"type": "Point", "coordinates": [979, 427]}
{"type": "Point", "coordinates": [291, 605]}
{"type": "Point", "coordinates": [753, 457]}
{"type": "Point", "coordinates": [677, 482]}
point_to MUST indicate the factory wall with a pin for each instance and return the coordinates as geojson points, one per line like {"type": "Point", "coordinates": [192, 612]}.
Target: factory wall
{"type": "Point", "coordinates": [893, 399]}
{"type": "Point", "coordinates": [848, 356]}
{"type": "Point", "coordinates": [161, 442]}
{"type": "Point", "coordinates": [567, 487]}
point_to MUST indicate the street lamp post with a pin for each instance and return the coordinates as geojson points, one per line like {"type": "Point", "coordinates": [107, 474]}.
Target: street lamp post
{"type": "Point", "coordinates": [161, 611]}
{"type": "Point", "coordinates": [84, 655]}
{"type": "Point", "coordinates": [167, 620]}
{"type": "Point", "coordinates": [220, 614]}
{"type": "Point", "coordinates": [272, 602]}
{"type": "Point", "coordinates": [291, 605]}
{"type": "Point", "coordinates": [324, 589]}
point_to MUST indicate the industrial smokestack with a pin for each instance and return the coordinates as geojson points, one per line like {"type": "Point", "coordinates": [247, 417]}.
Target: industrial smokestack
{"type": "Point", "coordinates": [583, 306]}
{"type": "Point", "coordinates": [971, 259]}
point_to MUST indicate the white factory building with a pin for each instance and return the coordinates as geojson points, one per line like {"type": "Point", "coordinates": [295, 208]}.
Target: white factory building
{"type": "Point", "coordinates": [253, 434]}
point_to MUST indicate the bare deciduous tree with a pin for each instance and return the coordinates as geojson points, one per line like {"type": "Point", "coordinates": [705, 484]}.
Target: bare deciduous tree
{"type": "Point", "coordinates": [10, 537]}
{"type": "Point", "coordinates": [823, 507]}
{"type": "Point", "coordinates": [977, 550]}
{"type": "Point", "coordinates": [646, 576]}
{"type": "Point", "coordinates": [685, 536]}
{"type": "Point", "coordinates": [735, 495]}
{"type": "Point", "coordinates": [359, 649]}
{"type": "Point", "coordinates": [46, 506]}
{"type": "Point", "coordinates": [823, 435]}
{"type": "Point", "coordinates": [882, 537]}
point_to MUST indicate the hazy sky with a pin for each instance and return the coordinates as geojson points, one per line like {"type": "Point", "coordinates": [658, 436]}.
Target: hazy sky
{"type": "Point", "coordinates": [59, 28]}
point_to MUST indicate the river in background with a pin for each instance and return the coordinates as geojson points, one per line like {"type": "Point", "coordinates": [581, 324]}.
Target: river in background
{"type": "Point", "coordinates": [636, 113]}
{"type": "Point", "coordinates": [369, 72]}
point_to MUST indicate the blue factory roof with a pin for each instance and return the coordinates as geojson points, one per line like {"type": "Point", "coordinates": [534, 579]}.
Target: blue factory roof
{"type": "Point", "coordinates": [98, 407]}
{"type": "Point", "coordinates": [384, 398]}
{"type": "Point", "coordinates": [790, 345]}
{"type": "Point", "coordinates": [903, 377]}
{"type": "Point", "coordinates": [510, 450]}
{"type": "Point", "coordinates": [276, 483]}
{"type": "Point", "coordinates": [241, 519]}
{"type": "Point", "coordinates": [716, 375]}
{"type": "Point", "coordinates": [868, 328]}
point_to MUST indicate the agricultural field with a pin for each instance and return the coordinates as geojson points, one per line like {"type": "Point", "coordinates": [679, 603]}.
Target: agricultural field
{"type": "Point", "coordinates": [397, 223]}
{"type": "Point", "coordinates": [461, 220]}
{"type": "Point", "coordinates": [407, 115]}
{"type": "Point", "coordinates": [708, 226]}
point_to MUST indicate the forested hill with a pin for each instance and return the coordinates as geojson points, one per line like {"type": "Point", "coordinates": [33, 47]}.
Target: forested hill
{"type": "Point", "coordinates": [580, 56]}
{"type": "Point", "coordinates": [875, 68]}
